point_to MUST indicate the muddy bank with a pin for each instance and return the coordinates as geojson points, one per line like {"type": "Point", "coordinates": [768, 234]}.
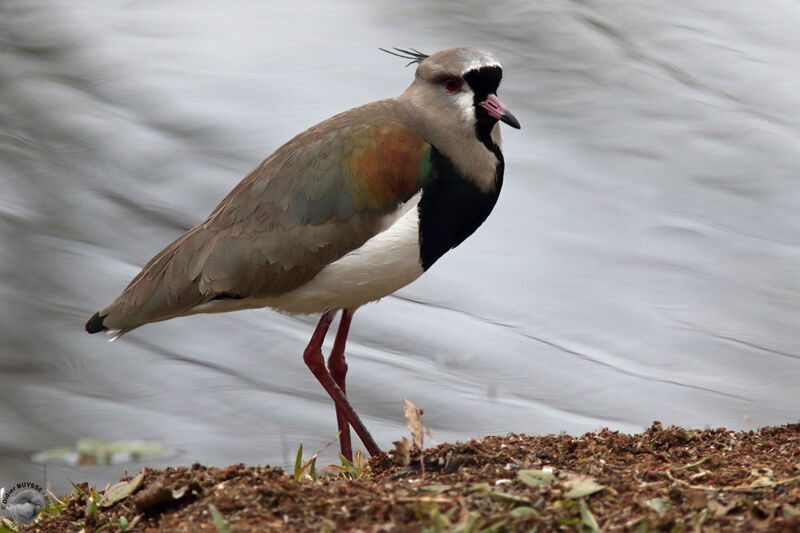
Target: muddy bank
{"type": "Point", "coordinates": [665, 479]}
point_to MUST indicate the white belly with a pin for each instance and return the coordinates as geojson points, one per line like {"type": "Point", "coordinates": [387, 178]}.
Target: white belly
{"type": "Point", "coordinates": [388, 261]}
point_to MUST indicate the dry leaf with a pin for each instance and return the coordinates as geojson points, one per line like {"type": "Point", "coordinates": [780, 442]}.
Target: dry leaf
{"type": "Point", "coordinates": [659, 505]}
{"type": "Point", "coordinates": [508, 498]}
{"type": "Point", "coordinates": [121, 490]}
{"type": "Point", "coordinates": [436, 488]}
{"type": "Point", "coordinates": [588, 519]}
{"type": "Point", "coordinates": [719, 509]}
{"type": "Point", "coordinates": [414, 422]}
{"type": "Point", "coordinates": [401, 452]}
{"type": "Point", "coordinates": [580, 486]}
{"type": "Point", "coordinates": [536, 478]}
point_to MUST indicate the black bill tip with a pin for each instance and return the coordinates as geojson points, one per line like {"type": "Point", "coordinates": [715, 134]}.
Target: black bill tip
{"type": "Point", "coordinates": [510, 119]}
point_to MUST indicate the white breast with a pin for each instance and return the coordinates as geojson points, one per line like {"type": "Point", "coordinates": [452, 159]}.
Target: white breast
{"type": "Point", "coordinates": [388, 261]}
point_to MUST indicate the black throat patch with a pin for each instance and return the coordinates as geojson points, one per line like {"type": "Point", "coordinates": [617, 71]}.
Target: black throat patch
{"type": "Point", "coordinates": [452, 207]}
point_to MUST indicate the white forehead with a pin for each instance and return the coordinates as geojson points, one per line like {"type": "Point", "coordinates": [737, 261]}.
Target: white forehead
{"type": "Point", "coordinates": [459, 60]}
{"type": "Point", "coordinates": [479, 58]}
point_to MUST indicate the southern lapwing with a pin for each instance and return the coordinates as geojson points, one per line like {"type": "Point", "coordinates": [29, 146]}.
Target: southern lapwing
{"type": "Point", "coordinates": [343, 214]}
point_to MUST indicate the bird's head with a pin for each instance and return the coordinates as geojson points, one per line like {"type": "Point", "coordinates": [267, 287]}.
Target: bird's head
{"type": "Point", "coordinates": [458, 87]}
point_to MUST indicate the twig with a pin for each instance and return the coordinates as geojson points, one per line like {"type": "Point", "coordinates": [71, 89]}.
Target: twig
{"type": "Point", "coordinates": [697, 463]}
{"type": "Point", "coordinates": [740, 488]}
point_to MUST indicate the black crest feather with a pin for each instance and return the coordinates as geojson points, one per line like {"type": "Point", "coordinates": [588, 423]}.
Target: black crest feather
{"type": "Point", "coordinates": [414, 55]}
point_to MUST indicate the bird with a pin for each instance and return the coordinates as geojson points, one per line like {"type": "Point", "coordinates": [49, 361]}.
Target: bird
{"type": "Point", "coordinates": [26, 505]}
{"type": "Point", "coordinates": [343, 214]}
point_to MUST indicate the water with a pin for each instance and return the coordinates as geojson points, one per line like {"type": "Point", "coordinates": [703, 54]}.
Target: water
{"type": "Point", "coordinates": [642, 262]}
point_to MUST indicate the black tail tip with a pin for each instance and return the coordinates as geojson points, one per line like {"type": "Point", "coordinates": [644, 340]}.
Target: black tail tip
{"type": "Point", "coordinates": [95, 324]}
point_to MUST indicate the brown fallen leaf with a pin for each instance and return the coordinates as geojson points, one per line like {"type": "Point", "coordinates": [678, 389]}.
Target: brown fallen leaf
{"type": "Point", "coordinates": [401, 453]}
{"type": "Point", "coordinates": [720, 509]}
{"type": "Point", "coordinates": [414, 422]}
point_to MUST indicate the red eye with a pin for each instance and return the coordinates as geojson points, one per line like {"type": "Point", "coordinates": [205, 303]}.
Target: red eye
{"type": "Point", "coordinates": [452, 85]}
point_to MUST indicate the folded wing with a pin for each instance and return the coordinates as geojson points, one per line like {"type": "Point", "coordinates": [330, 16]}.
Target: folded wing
{"type": "Point", "coordinates": [321, 195]}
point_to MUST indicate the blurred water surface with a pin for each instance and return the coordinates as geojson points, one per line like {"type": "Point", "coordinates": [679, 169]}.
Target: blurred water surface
{"type": "Point", "coordinates": [642, 263]}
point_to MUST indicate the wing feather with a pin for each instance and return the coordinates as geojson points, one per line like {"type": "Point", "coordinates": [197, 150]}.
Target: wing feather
{"type": "Point", "coordinates": [318, 197]}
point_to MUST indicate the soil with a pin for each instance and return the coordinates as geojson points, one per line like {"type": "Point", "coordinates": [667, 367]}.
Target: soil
{"type": "Point", "coordinates": [665, 479]}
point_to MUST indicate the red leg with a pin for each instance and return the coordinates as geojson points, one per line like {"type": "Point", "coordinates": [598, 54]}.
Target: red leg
{"type": "Point", "coordinates": [338, 369]}
{"type": "Point", "coordinates": [316, 363]}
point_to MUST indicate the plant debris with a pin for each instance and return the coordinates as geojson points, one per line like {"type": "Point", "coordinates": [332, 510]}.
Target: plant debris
{"type": "Point", "coordinates": [121, 490]}
{"type": "Point", "coordinates": [98, 452]}
{"type": "Point", "coordinates": [665, 479]}
{"type": "Point", "coordinates": [414, 422]}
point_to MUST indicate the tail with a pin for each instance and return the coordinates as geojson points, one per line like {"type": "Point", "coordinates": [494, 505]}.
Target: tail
{"type": "Point", "coordinates": [163, 289]}
{"type": "Point", "coordinates": [95, 324]}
